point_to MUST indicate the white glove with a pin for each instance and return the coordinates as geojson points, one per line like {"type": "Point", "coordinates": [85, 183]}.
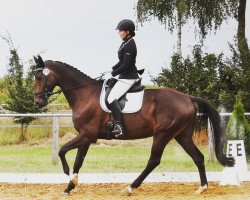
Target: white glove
{"type": "Point", "coordinates": [107, 76]}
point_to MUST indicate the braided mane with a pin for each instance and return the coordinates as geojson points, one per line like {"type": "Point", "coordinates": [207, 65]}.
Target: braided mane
{"type": "Point", "coordinates": [77, 71]}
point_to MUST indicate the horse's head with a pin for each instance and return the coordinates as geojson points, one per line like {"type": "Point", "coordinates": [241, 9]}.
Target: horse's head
{"type": "Point", "coordinates": [45, 82]}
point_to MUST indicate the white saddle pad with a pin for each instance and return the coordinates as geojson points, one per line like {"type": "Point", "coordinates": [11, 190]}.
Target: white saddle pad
{"type": "Point", "coordinates": [133, 103]}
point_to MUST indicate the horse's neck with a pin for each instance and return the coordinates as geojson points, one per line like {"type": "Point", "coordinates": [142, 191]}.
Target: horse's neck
{"type": "Point", "coordinates": [79, 97]}
{"type": "Point", "coordinates": [77, 89]}
{"type": "Point", "coordinates": [67, 80]}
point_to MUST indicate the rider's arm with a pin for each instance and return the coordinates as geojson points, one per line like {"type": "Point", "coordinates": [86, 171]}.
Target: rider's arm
{"type": "Point", "coordinates": [128, 60]}
{"type": "Point", "coordinates": [117, 65]}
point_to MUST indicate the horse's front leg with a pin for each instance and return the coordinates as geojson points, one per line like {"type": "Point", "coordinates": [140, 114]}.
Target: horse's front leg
{"type": "Point", "coordinates": [81, 153]}
{"type": "Point", "coordinates": [82, 143]}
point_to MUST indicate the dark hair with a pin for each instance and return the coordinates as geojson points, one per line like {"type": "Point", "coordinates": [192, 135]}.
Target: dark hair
{"type": "Point", "coordinates": [132, 33]}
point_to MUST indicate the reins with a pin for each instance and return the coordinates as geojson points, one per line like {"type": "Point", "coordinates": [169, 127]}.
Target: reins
{"type": "Point", "coordinates": [47, 94]}
{"type": "Point", "coordinates": [97, 79]}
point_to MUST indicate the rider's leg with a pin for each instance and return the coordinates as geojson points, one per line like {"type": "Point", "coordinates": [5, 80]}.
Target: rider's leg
{"type": "Point", "coordinates": [117, 114]}
{"type": "Point", "coordinates": [119, 89]}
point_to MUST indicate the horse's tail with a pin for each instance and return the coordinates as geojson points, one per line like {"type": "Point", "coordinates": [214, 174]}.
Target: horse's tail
{"type": "Point", "coordinates": [206, 110]}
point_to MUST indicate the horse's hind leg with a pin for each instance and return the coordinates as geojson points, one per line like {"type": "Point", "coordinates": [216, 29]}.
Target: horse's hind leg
{"type": "Point", "coordinates": [159, 143]}
{"type": "Point", "coordinates": [186, 141]}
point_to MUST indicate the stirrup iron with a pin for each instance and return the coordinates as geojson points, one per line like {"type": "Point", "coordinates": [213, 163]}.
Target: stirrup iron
{"type": "Point", "coordinates": [117, 132]}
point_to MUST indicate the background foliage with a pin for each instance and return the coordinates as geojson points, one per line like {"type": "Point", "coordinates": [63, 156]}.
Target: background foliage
{"type": "Point", "coordinates": [202, 73]}
{"type": "Point", "coordinates": [209, 76]}
{"type": "Point", "coordinates": [238, 127]}
{"type": "Point", "coordinates": [208, 14]}
{"type": "Point", "coordinates": [20, 89]}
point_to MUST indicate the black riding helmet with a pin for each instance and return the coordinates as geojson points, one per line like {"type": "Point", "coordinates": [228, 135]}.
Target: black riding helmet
{"type": "Point", "coordinates": [127, 25]}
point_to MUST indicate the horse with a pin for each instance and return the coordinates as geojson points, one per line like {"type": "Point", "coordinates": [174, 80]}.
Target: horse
{"type": "Point", "coordinates": [166, 114]}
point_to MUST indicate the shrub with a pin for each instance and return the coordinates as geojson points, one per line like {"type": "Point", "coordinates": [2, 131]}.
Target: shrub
{"type": "Point", "coordinates": [238, 128]}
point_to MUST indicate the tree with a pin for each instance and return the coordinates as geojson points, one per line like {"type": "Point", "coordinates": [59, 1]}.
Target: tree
{"type": "Point", "coordinates": [3, 92]}
{"type": "Point", "coordinates": [238, 128]}
{"type": "Point", "coordinates": [238, 8]}
{"type": "Point", "coordinates": [175, 13]}
{"type": "Point", "coordinates": [208, 16]}
{"type": "Point", "coordinates": [20, 90]}
{"type": "Point", "coordinates": [181, 9]}
{"type": "Point", "coordinates": [210, 76]}
{"type": "Point", "coordinates": [195, 75]}
{"type": "Point", "coordinates": [241, 34]}
{"type": "Point", "coordinates": [232, 79]}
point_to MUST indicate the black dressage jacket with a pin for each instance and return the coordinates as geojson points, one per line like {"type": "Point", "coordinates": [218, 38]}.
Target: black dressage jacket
{"type": "Point", "coordinates": [126, 68]}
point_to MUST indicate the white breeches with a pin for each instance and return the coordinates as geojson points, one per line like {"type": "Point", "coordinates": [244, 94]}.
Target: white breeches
{"type": "Point", "coordinates": [120, 88]}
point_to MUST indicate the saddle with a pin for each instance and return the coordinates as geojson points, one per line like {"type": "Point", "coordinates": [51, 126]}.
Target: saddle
{"type": "Point", "coordinates": [130, 102]}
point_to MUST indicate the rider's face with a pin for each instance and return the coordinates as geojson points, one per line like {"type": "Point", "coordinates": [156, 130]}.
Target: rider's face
{"type": "Point", "coordinates": [123, 34]}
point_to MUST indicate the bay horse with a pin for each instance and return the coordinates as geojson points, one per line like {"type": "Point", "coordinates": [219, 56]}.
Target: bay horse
{"type": "Point", "coordinates": [166, 114]}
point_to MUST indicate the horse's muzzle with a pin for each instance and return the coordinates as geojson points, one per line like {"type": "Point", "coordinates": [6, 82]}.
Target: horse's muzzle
{"type": "Point", "coordinates": [40, 103]}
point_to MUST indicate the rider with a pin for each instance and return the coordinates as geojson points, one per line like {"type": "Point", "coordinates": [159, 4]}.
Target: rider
{"type": "Point", "coordinates": [126, 70]}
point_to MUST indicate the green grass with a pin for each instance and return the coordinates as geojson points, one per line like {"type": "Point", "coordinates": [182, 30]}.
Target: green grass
{"type": "Point", "coordinates": [100, 159]}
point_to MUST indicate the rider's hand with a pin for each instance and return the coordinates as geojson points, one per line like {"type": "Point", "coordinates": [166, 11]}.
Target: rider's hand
{"type": "Point", "coordinates": [107, 76]}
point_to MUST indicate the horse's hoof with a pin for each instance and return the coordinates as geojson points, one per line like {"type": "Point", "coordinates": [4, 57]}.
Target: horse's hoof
{"type": "Point", "coordinates": [201, 189]}
{"type": "Point", "coordinates": [128, 191]}
{"type": "Point", "coordinates": [65, 193]}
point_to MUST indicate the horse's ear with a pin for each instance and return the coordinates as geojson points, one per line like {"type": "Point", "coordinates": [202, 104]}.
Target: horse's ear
{"type": "Point", "coordinates": [40, 61]}
{"type": "Point", "coordinates": [36, 60]}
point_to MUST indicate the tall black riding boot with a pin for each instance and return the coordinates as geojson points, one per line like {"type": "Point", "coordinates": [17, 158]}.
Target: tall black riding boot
{"type": "Point", "coordinates": [117, 114]}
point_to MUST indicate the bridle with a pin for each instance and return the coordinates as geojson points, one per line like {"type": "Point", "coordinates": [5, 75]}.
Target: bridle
{"type": "Point", "coordinates": [45, 93]}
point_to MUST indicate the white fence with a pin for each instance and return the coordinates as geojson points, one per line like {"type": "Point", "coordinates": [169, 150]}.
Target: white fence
{"type": "Point", "coordinates": [55, 125]}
